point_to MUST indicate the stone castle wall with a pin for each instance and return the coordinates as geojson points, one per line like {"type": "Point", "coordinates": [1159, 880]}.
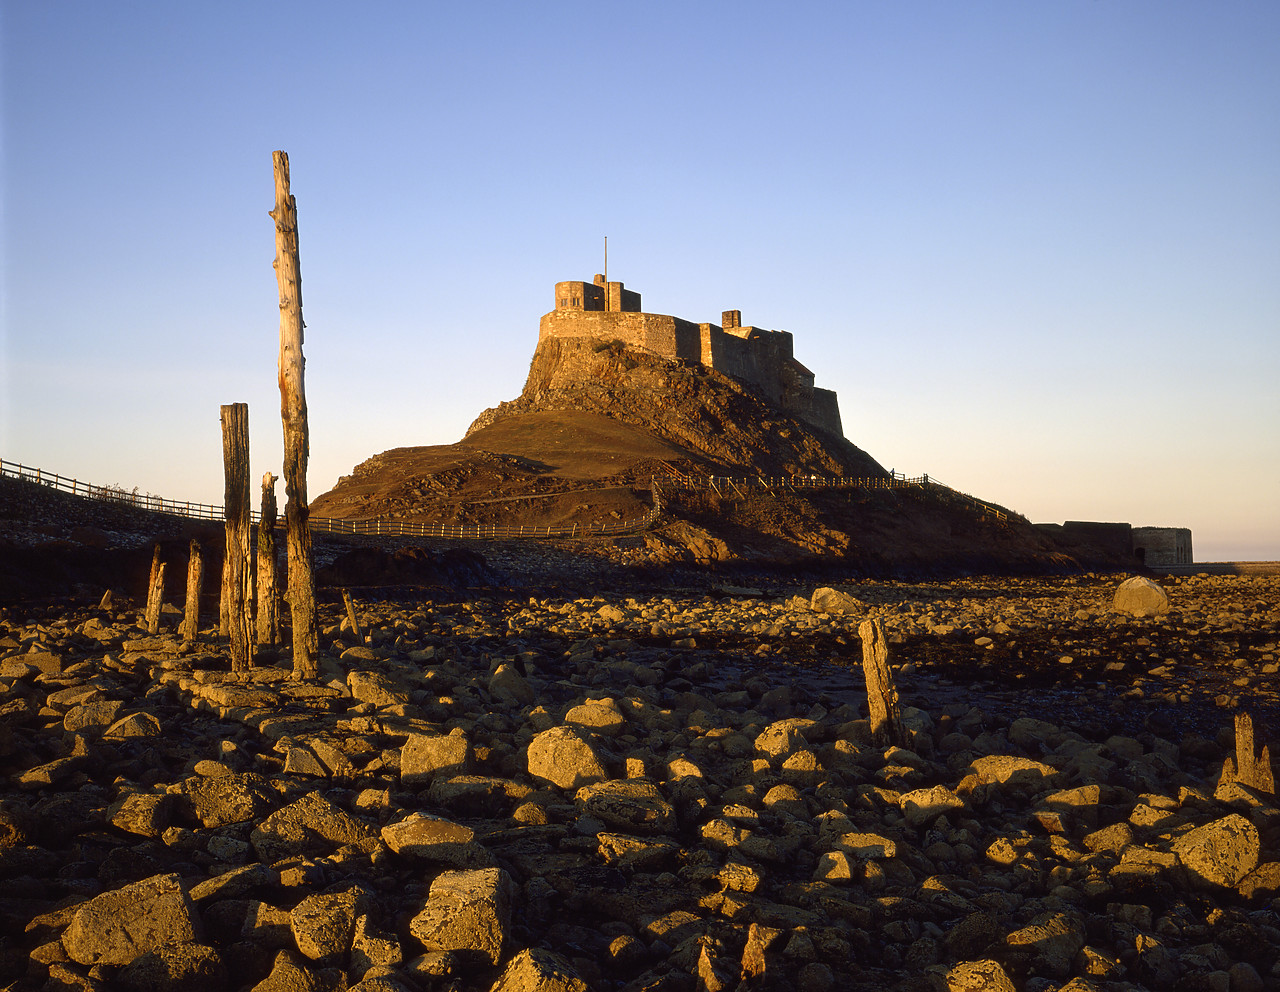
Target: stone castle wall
{"type": "Point", "coordinates": [761, 358]}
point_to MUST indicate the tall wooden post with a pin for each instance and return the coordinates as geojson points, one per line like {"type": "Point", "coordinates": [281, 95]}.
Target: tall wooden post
{"type": "Point", "coordinates": [195, 579]}
{"type": "Point", "coordinates": [268, 626]}
{"type": "Point", "coordinates": [237, 591]}
{"type": "Point", "coordinates": [293, 414]}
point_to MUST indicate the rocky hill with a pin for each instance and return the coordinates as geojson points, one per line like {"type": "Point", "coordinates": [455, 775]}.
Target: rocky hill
{"type": "Point", "coordinates": [597, 423]}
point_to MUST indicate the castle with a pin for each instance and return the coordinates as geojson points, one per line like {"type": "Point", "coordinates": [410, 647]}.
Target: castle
{"type": "Point", "coordinates": [760, 358]}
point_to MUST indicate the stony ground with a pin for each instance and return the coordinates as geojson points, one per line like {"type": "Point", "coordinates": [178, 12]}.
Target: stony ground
{"type": "Point", "coordinates": [648, 790]}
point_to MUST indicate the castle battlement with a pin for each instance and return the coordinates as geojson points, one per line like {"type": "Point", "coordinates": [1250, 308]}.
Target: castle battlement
{"type": "Point", "coordinates": [758, 357]}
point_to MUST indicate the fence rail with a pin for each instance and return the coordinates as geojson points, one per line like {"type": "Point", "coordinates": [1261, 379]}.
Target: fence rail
{"type": "Point", "coordinates": [423, 529]}
{"type": "Point", "coordinates": [895, 480]}
{"type": "Point", "coordinates": [328, 525]}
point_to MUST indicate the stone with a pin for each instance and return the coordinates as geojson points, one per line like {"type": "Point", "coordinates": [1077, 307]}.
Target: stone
{"type": "Point", "coordinates": [1220, 853]}
{"type": "Point", "coordinates": [118, 926]}
{"type": "Point", "coordinates": [1053, 940]}
{"type": "Point", "coordinates": [226, 799]}
{"type": "Point", "coordinates": [1016, 774]}
{"type": "Point", "coordinates": [143, 813]}
{"type": "Point", "coordinates": [373, 950]}
{"type": "Point", "coordinates": [633, 805]}
{"type": "Point", "coordinates": [923, 806]}
{"type": "Point", "coordinates": [288, 974]}
{"type": "Point", "coordinates": [324, 923]}
{"type": "Point", "coordinates": [376, 689]}
{"type": "Point", "coordinates": [1263, 882]}
{"type": "Point", "coordinates": [828, 600]}
{"type": "Point", "coordinates": [536, 969]}
{"type": "Point", "coordinates": [92, 718]}
{"type": "Point", "coordinates": [781, 739]}
{"type": "Point", "coordinates": [133, 725]}
{"type": "Point", "coordinates": [424, 756]}
{"type": "Point", "coordinates": [565, 757]}
{"type": "Point", "coordinates": [433, 838]}
{"type": "Point", "coordinates": [468, 913]}
{"type": "Point", "coordinates": [974, 976]}
{"type": "Point", "coordinates": [597, 717]}
{"type": "Point", "coordinates": [309, 826]}
{"type": "Point", "coordinates": [1140, 597]}
{"type": "Point", "coordinates": [175, 967]}
{"type": "Point", "coordinates": [507, 685]}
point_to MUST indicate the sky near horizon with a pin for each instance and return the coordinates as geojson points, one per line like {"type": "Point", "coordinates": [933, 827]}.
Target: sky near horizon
{"type": "Point", "coordinates": [1034, 247]}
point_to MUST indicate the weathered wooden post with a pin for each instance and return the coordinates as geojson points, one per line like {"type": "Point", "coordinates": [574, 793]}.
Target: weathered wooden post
{"type": "Point", "coordinates": [195, 580]}
{"type": "Point", "coordinates": [1249, 767]}
{"type": "Point", "coordinates": [155, 594]}
{"type": "Point", "coordinates": [882, 696]}
{"type": "Point", "coordinates": [268, 625]}
{"type": "Point", "coordinates": [293, 414]}
{"type": "Point", "coordinates": [351, 615]}
{"type": "Point", "coordinates": [237, 590]}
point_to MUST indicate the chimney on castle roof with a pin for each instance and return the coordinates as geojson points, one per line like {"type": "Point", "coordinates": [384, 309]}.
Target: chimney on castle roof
{"type": "Point", "coordinates": [731, 318]}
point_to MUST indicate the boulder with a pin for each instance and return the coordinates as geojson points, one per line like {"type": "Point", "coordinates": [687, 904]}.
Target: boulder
{"type": "Point", "coordinates": [1220, 853]}
{"type": "Point", "coordinates": [433, 838]}
{"type": "Point", "coordinates": [323, 923]}
{"type": "Point", "coordinates": [424, 756]}
{"type": "Point", "coordinates": [597, 717]}
{"type": "Point", "coordinates": [226, 799]}
{"type": "Point", "coordinates": [1140, 597]}
{"type": "Point", "coordinates": [923, 806]}
{"type": "Point", "coordinates": [632, 805]}
{"type": "Point", "coordinates": [828, 600]}
{"type": "Point", "coordinates": [536, 969]}
{"type": "Point", "coordinates": [507, 685]}
{"type": "Point", "coordinates": [376, 689]}
{"type": "Point", "coordinates": [176, 967]}
{"type": "Point", "coordinates": [117, 927]}
{"type": "Point", "coordinates": [143, 813]}
{"type": "Point", "coordinates": [565, 757]}
{"type": "Point", "coordinates": [974, 976]}
{"type": "Point", "coordinates": [468, 913]}
{"type": "Point", "coordinates": [1051, 942]}
{"type": "Point", "coordinates": [312, 825]}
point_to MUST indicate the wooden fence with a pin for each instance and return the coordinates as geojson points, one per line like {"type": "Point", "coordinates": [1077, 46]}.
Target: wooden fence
{"type": "Point", "coordinates": [422, 529]}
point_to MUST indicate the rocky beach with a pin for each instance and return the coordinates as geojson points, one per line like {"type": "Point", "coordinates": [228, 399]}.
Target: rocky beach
{"type": "Point", "coordinates": [648, 787]}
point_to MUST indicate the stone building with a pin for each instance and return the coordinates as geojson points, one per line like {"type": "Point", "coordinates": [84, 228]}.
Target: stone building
{"type": "Point", "coordinates": [761, 358]}
{"type": "Point", "coordinates": [1162, 545]}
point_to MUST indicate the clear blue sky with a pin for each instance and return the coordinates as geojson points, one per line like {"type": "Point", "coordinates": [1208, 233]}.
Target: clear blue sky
{"type": "Point", "coordinates": [1035, 247]}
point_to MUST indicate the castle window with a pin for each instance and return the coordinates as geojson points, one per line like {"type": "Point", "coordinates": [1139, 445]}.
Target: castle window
{"type": "Point", "coordinates": [564, 302]}
{"type": "Point", "coordinates": [577, 302]}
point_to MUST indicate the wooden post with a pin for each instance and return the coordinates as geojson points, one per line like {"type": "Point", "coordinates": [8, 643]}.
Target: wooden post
{"type": "Point", "coordinates": [882, 696]}
{"type": "Point", "coordinates": [237, 590]}
{"type": "Point", "coordinates": [351, 615]}
{"type": "Point", "coordinates": [268, 626]}
{"type": "Point", "coordinates": [293, 415]}
{"type": "Point", "coordinates": [224, 623]}
{"type": "Point", "coordinates": [155, 600]}
{"type": "Point", "coordinates": [155, 593]}
{"type": "Point", "coordinates": [195, 580]}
